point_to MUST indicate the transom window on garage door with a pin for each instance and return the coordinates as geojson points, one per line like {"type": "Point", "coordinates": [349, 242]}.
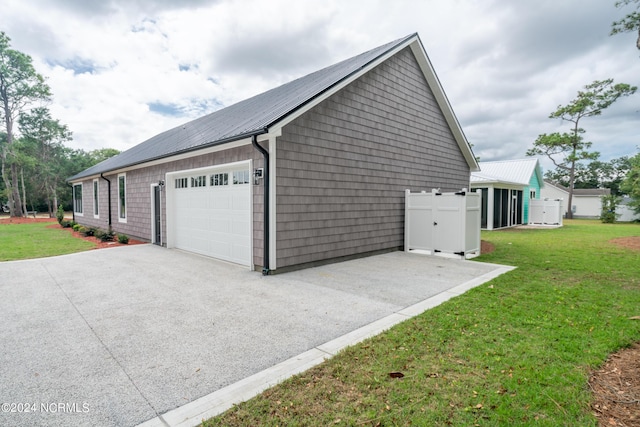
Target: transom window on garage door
{"type": "Point", "coordinates": [182, 182]}
{"type": "Point", "coordinates": [218, 179]}
{"type": "Point", "coordinates": [241, 177]}
{"type": "Point", "coordinates": [199, 181]}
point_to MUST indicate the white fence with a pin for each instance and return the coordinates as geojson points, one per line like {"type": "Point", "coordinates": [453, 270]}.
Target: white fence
{"type": "Point", "coordinates": [545, 212]}
{"type": "Point", "coordinates": [443, 223]}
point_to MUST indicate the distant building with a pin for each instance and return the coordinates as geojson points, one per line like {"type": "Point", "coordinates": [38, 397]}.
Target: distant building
{"type": "Point", "coordinates": [586, 203]}
{"type": "Point", "coordinates": [625, 213]}
{"type": "Point", "coordinates": [507, 186]}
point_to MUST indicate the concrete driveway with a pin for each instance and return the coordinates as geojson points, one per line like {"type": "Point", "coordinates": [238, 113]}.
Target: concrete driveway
{"type": "Point", "coordinates": [143, 334]}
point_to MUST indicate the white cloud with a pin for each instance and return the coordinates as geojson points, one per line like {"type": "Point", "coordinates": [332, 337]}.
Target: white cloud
{"type": "Point", "coordinates": [123, 71]}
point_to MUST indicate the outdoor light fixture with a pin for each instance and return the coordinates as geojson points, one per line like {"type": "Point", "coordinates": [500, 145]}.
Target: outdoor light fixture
{"type": "Point", "coordinates": [258, 174]}
{"type": "Point", "coordinates": [161, 183]}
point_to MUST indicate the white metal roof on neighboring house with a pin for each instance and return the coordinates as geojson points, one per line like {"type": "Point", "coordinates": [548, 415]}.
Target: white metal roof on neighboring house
{"type": "Point", "coordinates": [517, 172]}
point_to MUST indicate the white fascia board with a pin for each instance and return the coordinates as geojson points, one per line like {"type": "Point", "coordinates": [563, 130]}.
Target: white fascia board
{"type": "Point", "coordinates": [195, 153]}
{"type": "Point", "coordinates": [499, 184]}
{"type": "Point", "coordinates": [432, 80]}
{"type": "Point", "coordinates": [443, 102]}
{"type": "Point", "coordinates": [277, 127]}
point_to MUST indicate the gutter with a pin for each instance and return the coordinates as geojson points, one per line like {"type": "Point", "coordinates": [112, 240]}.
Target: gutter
{"type": "Point", "coordinates": [265, 155]}
{"type": "Point", "coordinates": [111, 169]}
{"type": "Point", "coordinates": [109, 196]}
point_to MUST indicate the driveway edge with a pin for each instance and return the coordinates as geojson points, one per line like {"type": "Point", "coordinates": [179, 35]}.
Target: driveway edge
{"type": "Point", "coordinates": [203, 408]}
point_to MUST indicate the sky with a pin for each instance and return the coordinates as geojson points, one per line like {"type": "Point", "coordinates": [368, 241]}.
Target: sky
{"type": "Point", "coordinates": [122, 71]}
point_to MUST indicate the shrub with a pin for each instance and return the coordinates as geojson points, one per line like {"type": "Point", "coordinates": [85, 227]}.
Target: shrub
{"type": "Point", "coordinates": [123, 238]}
{"type": "Point", "coordinates": [65, 224]}
{"type": "Point", "coordinates": [60, 215]}
{"type": "Point", "coordinates": [609, 205]}
{"type": "Point", "coordinates": [80, 229]}
{"type": "Point", "coordinates": [88, 232]}
{"type": "Point", "coordinates": [104, 236]}
{"type": "Point", "coordinates": [76, 226]}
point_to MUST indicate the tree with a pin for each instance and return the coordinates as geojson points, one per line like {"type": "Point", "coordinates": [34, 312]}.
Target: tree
{"type": "Point", "coordinates": [631, 184]}
{"type": "Point", "coordinates": [596, 174]}
{"type": "Point", "coordinates": [567, 149]}
{"type": "Point", "coordinates": [20, 87]}
{"type": "Point", "coordinates": [46, 137]}
{"type": "Point", "coordinates": [629, 23]}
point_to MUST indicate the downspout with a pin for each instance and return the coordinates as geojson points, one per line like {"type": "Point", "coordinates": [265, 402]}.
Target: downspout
{"type": "Point", "coordinates": [109, 196]}
{"type": "Point", "coordinates": [265, 154]}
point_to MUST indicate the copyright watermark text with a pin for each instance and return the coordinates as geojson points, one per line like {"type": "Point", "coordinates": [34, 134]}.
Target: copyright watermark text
{"type": "Point", "coordinates": [46, 407]}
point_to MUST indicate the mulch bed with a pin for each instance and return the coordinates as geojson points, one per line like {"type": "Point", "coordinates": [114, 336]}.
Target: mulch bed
{"type": "Point", "coordinates": [486, 247]}
{"type": "Point", "coordinates": [616, 389]}
{"type": "Point", "coordinates": [632, 242]}
{"type": "Point", "coordinates": [616, 385]}
{"type": "Point", "coordinates": [54, 224]}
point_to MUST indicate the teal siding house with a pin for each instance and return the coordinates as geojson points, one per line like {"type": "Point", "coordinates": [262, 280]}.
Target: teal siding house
{"type": "Point", "coordinates": [507, 186]}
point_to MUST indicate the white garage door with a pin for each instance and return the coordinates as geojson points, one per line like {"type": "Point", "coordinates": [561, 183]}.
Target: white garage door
{"type": "Point", "coordinates": [212, 212]}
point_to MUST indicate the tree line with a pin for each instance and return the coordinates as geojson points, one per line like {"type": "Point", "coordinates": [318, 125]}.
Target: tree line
{"type": "Point", "coordinates": [569, 151]}
{"type": "Point", "coordinates": [34, 162]}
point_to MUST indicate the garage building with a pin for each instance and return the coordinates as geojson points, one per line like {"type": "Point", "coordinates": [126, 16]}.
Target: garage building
{"type": "Point", "coordinates": [334, 151]}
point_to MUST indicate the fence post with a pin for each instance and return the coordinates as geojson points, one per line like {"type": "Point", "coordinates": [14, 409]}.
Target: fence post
{"type": "Point", "coordinates": [407, 223]}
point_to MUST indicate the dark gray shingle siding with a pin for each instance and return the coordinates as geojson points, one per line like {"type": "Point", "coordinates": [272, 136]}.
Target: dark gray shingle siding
{"type": "Point", "coordinates": [344, 165]}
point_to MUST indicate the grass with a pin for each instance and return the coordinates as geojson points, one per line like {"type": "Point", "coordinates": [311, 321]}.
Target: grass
{"type": "Point", "coordinates": [515, 351]}
{"type": "Point", "coordinates": [35, 240]}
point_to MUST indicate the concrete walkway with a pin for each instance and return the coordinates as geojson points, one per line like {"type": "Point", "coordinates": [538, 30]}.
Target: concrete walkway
{"type": "Point", "coordinates": [142, 334]}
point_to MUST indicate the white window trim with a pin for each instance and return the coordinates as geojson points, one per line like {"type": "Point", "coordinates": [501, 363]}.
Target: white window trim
{"type": "Point", "coordinates": [95, 198]}
{"type": "Point", "coordinates": [121, 219]}
{"type": "Point", "coordinates": [81, 201]}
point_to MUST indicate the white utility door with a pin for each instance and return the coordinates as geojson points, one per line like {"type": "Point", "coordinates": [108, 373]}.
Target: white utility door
{"type": "Point", "coordinates": [212, 212]}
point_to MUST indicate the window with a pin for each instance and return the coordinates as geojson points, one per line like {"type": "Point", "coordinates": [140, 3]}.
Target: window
{"type": "Point", "coordinates": [95, 197]}
{"type": "Point", "coordinates": [532, 194]}
{"type": "Point", "coordinates": [77, 199]}
{"type": "Point", "coordinates": [241, 177]}
{"type": "Point", "coordinates": [181, 182]}
{"type": "Point", "coordinates": [122, 198]}
{"type": "Point", "coordinates": [219, 179]}
{"type": "Point", "coordinates": [198, 181]}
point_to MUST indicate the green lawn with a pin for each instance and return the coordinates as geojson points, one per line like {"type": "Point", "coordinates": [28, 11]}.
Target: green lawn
{"type": "Point", "coordinates": [514, 351]}
{"type": "Point", "coordinates": [35, 240]}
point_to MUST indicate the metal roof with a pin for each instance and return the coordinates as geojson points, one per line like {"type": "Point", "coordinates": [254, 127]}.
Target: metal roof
{"type": "Point", "coordinates": [508, 171]}
{"type": "Point", "coordinates": [581, 191]}
{"type": "Point", "coordinates": [254, 116]}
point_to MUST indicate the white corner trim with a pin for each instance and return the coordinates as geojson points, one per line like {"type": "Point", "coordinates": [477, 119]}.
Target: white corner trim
{"type": "Point", "coordinates": [273, 259]}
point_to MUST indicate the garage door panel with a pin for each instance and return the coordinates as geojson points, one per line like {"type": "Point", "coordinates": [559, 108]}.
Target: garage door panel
{"type": "Point", "coordinates": [241, 201]}
{"type": "Point", "coordinates": [214, 220]}
{"type": "Point", "coordinates": [239, 227]}
{"type": "Point", "coordinates": [220, 225]}
{"type": "Point", "coordinates": [220, 201]}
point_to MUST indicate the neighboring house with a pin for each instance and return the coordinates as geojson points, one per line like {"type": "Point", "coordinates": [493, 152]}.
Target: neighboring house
{"type": "Point", "coordinates": [587, 202]}
{"type": "Point", "coordinates": [507, 186]}
{"type": "Point", "coordinates": [335, 151]}
{"type": "Point", "coordinates": [625, 213]}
